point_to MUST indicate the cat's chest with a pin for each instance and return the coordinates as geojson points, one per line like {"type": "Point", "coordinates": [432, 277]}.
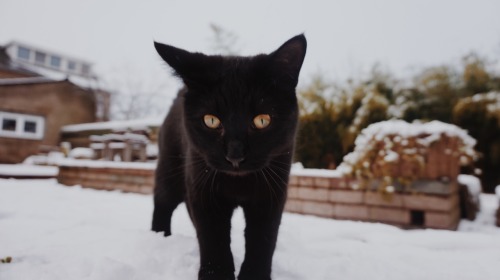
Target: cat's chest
{"type": "Point", "coordinates": [236, 189]}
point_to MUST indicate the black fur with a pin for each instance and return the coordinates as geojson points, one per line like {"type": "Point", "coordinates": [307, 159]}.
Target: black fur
{"type": "Point", "coordinates": [196, 163]}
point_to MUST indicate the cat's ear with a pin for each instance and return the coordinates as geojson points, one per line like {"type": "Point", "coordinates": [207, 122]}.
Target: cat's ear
{"type": "Point", "coordinates": [192, 68]}
{"type": "Point", "coordinates": [287, 60]}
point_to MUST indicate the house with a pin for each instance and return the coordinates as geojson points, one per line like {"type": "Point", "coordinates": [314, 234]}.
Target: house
{"type": "Point", "coordinates": [40, 92]}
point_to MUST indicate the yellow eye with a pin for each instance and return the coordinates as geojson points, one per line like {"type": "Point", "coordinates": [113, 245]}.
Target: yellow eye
{"type": "Point", "coordinates": [211, 121]}
{"type": "Point", "coordinates": [262, 121]}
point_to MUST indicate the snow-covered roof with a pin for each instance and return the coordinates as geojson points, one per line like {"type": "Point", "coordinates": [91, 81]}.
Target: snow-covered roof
{"type": "Point", "coordinates": [27, 80]}
{"type": "Point", "coordinates": [85, 82]}
{"type": "Point", "coordinates": [115, 125]}
{"type": "Point", "coordinates": [50, 64]}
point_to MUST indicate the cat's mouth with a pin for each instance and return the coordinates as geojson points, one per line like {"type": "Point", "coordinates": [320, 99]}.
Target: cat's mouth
{"type": "Point", "coordinates": [237, 173]}
{"type": "Point", "coordinates": [240, 169]}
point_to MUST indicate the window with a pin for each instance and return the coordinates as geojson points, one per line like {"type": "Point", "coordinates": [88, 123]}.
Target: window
{"type": "Point", "coordinates": [55, 61]}
{"type": "Point", "coordinates": [23, 53]}
{"type": "Point", "coordinates": [71, 65]}
{"type": "Point", "coordinates": [9, 124]}
{"type": "Point", "coordinates": [40, 57]}
{"type": "Point", "coordinates": [85, 69]}
{"type": "Point", "coordinates": [30, 126]}
{"type": "Point", "coordinates": [23, 126]}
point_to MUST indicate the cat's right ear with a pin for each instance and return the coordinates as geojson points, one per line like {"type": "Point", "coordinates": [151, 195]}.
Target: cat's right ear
{"type": "Point", "coordinates": [192, 68]}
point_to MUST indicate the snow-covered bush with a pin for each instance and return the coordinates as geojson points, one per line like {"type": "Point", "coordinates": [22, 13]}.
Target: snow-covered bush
{"type": "Point", "coordinates": [397, 151]}
{"type": "Point", "coordinates": [480, 115]}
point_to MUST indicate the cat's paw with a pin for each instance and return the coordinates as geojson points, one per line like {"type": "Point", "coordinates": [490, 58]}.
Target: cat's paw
{"type": "Point", "coordinates": [165, 232]}
{"type": "Point", "coordinates": [209, 272]}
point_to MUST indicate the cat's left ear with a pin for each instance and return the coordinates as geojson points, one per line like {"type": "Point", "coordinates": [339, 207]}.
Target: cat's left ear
{"type": "Point", "coordinates": [287, 60]}
{"type": "Point", "coordinates": [193, 68]}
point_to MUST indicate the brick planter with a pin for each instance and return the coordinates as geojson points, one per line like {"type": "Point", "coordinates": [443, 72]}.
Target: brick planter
{"type": "Point", "coordinates": [333, 196]}
{"type": "Point", "coordinates": [137, 178]}
{"type": "Point", "coordinates": [329, 194]}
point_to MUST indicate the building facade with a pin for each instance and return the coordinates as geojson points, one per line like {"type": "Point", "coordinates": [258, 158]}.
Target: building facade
{"type": "Point", "coordinates": [40, 92]}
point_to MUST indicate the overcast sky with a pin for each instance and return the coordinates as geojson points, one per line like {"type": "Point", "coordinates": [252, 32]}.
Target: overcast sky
{"type": "Point", "coordinates": [344, 37]}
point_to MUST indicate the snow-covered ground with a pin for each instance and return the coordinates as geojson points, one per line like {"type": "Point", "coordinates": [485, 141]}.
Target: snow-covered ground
{"type": "Point", "coordinates": [57, 232]}
{"type": "Point", "coordinates": [27, 170]}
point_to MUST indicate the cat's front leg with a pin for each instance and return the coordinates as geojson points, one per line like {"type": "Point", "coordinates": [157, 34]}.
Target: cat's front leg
{"type": "Point", "coordinates": [261, 232]}
{"type": "Point", "coordinates": [213, 229]}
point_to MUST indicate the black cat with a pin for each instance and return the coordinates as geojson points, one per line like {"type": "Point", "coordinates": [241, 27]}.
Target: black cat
{"type": "Point", "coordinates": [228, 141]}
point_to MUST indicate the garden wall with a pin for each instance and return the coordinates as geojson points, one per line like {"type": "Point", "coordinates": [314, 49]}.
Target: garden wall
{"type": "Point", "coordinates": [335, 196]}
{"type": "Point", "coordinates": [322, 193]}
{"type": "Point", "coordinates": [102, 175]}
{"type": "Point", "coordinates": [399, 173]}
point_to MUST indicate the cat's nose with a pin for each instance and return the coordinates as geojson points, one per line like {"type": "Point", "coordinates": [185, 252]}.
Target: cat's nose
{"type": "Point", "coordinates": [235, 161]}
{"type": "Point", "coordinates": [235, 153]}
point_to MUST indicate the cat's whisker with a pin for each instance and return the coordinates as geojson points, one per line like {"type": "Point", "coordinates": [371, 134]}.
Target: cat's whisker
{"type": "Point", "coordinates": [286, 162]}
{"type": "Point", "coordinates": [286, 170]}
{"type": "Point", "coordinates": [270, 186]}
{"type": "Point", "coordinates": [281, 153]}
{"type": "Point", "coordinates": [283, 184]}
{"type": "Point", "coordinates": [212, 189]}
{"type": "Point", "coordinates": [267, 185]}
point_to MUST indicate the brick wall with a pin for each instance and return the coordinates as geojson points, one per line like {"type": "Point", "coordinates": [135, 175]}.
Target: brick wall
{"type": "Point", "coordinates": [337, 197]}
{"type": "Point", "coordinates": [136, 180]}
{"type": "Point", "coordinates": [329, 196]}
{"type": "Point", "coordinates": [60, 103]}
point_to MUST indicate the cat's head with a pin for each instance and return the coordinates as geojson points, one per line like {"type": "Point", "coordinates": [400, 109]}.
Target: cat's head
{"type": "Point", "coordinates": [240, 113]}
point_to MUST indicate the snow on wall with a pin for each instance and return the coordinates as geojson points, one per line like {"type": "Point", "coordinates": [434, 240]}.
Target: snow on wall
{"type": "Point", "coordinates": [472, 182]}
{"type": "Point", "coordinates": [28, 170]}
{"type": "Point", "coordinates": [115, 125]}
{"type": "Point", "coordinates": [80, 152]}
{"type": "Point", "coordinates": [299, 170]}
{"type": "Point", "coordinates": [106, 164]}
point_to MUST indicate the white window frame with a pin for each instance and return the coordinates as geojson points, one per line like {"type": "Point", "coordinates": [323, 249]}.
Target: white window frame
{"type": "Point", "coordinates": [18, 49]}
{"type": "Point", "coordinates": [21, 119]}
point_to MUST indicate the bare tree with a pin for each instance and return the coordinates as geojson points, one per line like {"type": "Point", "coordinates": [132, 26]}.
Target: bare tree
{"type": "Point", "coordinates": [135, 97]}
{"type": "Point", "coordinates": [224, 41]}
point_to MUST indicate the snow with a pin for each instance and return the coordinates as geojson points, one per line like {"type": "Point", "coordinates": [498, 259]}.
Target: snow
{"type": "Point", "coordinates": [401, 131]}
{"type": "Point", "coordinates": [106, 164]}
{"type": "Point", "coordinates": [52, 158]}
{"type": "Point", "coordinates": [408, 130]}
{"type": "Point", "coordinates": [391, 156]}
{"type": "Point", "coordinates": [492, 99]}
{"type": "Point", "coordinates": [472, 182]}
{"type": "Point", "coordinates": [81, 152]}
{"type": "Point", "coordinates": [299, 170]}
{"type": "Point", "coordinates": [115, 125]}
{"type": "Point", "coordinates": [27, 170]}
{"type": "Point", "coordinates": [120, 137]}
{"type": "Point", "coordinates": [57, 232]}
